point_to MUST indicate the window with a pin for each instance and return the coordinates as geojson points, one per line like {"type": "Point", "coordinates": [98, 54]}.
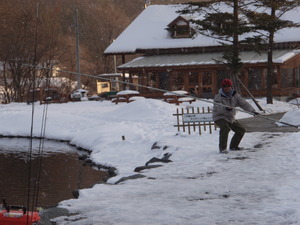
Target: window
{"type": "Point", "coordinates": [152, 79]}
{"type": "Point", "coordinates": [181, 31]}
{"type": "Point", "coordinates": [274, 78]}
{"type": "Point", "coordinates": [297, 81]}
{"type": "Point", "coordinates": [221, 74]}
{"type": "Point", "coordinates": [224, 25]}
{"type": "Point", "coordinates": [164, 80]}
{"type": "Point", "coordinates": [178, 81]}
{"type": "Point", "coordinates": [105, 85]}
{"type": "Point", "coordinates": [255, 78]}
{"type": "Point", "coordinates": [206, 78]}
{"type": "Point", "coordinates": [286, 78]}
{"type": "Point", "coordinates": [193, 78]}
{"type": "Point", "coordinates": [180, 28]}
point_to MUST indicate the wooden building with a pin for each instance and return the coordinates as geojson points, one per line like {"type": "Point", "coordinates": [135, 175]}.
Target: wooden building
{"type": "Point", "coordinates": [170, 56]}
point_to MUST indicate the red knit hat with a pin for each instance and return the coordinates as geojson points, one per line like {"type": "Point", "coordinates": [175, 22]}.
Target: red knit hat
{"type": "Point", "coordinates": [226, 82]}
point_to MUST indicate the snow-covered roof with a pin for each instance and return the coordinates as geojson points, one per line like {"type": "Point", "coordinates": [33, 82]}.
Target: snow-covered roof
{"type": "Point", "coordinates": [148, 31]}
{"type": "Point", "coordinates": [279, 56]}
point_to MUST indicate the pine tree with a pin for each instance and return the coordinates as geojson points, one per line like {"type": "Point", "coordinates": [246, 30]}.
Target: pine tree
{"type": "Point", "coordinates": [222, 20]}
{"type": "Point", "coordinates": [268, 19]}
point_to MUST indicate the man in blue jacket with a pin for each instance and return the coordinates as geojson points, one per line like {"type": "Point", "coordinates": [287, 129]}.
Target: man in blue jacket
{"type": "Point", "coordinates": [224, 116]}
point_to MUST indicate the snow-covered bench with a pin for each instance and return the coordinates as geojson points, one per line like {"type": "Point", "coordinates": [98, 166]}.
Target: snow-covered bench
{"type": "Point", "coordinates": [176, 97]}
{"type": "Point", "coordinates": [125, 96]}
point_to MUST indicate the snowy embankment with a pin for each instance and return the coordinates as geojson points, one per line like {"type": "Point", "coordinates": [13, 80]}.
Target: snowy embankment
{"type": "Point", "coordinates": [199, 186]}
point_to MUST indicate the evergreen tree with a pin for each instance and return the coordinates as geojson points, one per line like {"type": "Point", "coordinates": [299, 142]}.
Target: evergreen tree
{"type": "Point", "coordinates": [268, 19]}
{"type": "Point", "coordinates": [224, 21]}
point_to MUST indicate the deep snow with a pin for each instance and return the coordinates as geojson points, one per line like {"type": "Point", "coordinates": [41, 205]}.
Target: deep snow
{"type": "Point", "coordinates": [199, 186]}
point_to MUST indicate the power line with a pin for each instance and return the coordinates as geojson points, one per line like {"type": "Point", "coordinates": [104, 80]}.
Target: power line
{"type": "Point", "coordinates": [162, 90]}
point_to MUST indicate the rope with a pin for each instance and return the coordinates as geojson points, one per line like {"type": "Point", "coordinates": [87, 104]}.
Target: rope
{"type": "Point", "coordinates": [165, 91]}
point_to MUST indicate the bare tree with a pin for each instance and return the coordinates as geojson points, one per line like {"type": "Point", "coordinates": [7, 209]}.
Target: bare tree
{"type": "Point", "coordinates": [47, 39]}
{"type": "Point", "coordinates": [30, 37]}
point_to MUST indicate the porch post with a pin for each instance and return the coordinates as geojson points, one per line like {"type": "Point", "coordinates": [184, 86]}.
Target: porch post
{"type": "Point", "coordinates": [124, 79]}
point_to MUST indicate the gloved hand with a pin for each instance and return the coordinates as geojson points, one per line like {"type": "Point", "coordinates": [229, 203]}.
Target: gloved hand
{"type": "Point", "coordinates": [228, 108]}
{"type": "Point", "coordinates": [256, 113]}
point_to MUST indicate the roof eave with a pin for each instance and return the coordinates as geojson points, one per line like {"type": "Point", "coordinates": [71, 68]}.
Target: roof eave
{"type": "Point", "coordinates": [119, 53]}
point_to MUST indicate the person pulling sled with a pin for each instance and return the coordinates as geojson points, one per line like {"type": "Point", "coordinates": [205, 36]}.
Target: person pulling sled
{"type": "Point", "coordinates": [224, 115]}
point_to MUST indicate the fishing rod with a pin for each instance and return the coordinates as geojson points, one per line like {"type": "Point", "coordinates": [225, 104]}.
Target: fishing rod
{"type": "Point", "coordinates": [40, 152]}
{"type": "Point", "coordinates": [4, 202]}
{"type": "Point", "coordinates": [162, 90]}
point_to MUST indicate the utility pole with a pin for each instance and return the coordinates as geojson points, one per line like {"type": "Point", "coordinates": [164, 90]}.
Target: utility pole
{"type": "Point", "coordinates": [77, 50]}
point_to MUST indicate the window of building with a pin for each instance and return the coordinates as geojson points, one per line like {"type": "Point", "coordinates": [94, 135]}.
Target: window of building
{"type": "Point", "coordinates": [193, 78]}
{"type": "Point", "coordinates": [177, 80]}
{"type": "Point", "coordinates": [221, 74]}
{"type": "Point", "coordinates": [164, 80]}
{"type": "Point", "coordinates": [223, 25]}
{"type": "Point", "coordinates": [182, 31]}
{"type": "Point", "coordinates": [180, 28]}
{"type": "Point", "coordinates": [105, 85]}
{"type": "Point", "coordinates": [287, 78]}
{"type": "Point", "coordinates": [274, 78]}
{"type": "Point", "coordinates": [206, 78]}
{"type": "Point", "coordinates": [255, 78]}
{"type": "Point", "coordinates": [297, 77]}
{"type": "Point", "coordinates": [152, 79]}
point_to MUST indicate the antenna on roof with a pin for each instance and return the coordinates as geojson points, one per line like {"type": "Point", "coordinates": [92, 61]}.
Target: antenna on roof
{"type": "Point", "coordinates": [147, 3]}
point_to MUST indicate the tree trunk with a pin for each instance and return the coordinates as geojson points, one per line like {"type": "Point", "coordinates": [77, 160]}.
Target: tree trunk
{"type": "Point", "coordinates": [270, 63]}
{"type": "Point", "coordinates": [236, 53]}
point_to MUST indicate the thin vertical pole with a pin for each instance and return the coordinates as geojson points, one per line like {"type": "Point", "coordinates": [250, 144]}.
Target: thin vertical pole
{"type": "Point", "coordinates": [77, 50]}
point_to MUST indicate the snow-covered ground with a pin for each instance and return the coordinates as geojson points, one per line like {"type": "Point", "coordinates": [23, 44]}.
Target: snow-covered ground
{"type": "Point", "coordinates": [200, 186]}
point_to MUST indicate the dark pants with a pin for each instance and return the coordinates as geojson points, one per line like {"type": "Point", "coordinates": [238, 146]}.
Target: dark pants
{"type": "Point", "coordinates": [225, 127]}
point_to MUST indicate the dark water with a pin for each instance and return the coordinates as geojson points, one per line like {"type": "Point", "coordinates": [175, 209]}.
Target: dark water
{"type": "Point", "coordinates": [61, 172]}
